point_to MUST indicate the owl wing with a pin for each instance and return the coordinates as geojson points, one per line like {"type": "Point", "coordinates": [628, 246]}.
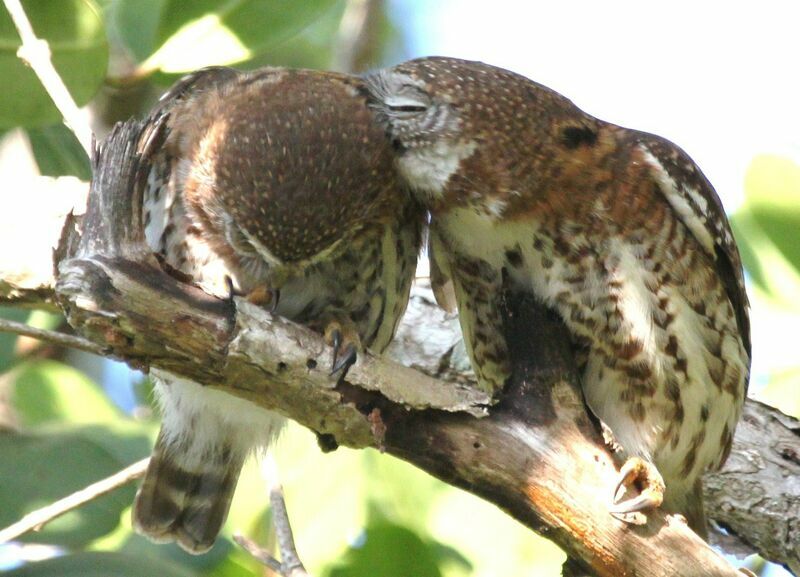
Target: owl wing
{"type": "Point", "coordinates": [157, 121]}
{"type": "Point", "coordinates": [697, 205]}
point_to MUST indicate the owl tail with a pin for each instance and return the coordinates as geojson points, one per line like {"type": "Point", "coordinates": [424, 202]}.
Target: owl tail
{"type": "Point", "coordinates": [186, 500]}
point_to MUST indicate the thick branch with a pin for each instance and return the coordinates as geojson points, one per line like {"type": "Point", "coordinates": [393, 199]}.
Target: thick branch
{"type": "Point", "coordinates": [756, 497]}
{"type": "Point", "coordinates": [144, 316]}
{"type": "Point", "coordinates": [537, 455]}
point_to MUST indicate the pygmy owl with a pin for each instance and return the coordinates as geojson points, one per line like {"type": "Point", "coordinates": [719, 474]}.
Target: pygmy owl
{"type": "Point", "coordinates": [616, 230]}
{"type": "Point", "coordinates": [272, 183]}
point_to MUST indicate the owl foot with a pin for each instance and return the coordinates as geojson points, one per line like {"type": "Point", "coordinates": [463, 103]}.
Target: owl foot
{"type": "Point", "coordinates": [266, 297]}
{"type": "Point", "coordinates": [641, 475]}
{"type": "Point", "coordinates": [343, 337]}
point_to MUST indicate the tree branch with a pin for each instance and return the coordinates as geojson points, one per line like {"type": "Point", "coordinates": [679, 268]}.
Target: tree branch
{"type": "Point", "coordinates": [55, 337]}
{"type": "Point", "coordinates": [537, 455]}
{"type": "Point", "coordinates": [36, 53]}
{"type": "Point", "coordinates": [756, 497]}
{"type": "Point", "coordinates": [358, 37]}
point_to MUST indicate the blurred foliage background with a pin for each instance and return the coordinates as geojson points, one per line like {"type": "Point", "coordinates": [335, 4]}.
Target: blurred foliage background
{"type": "Point", "coordinates": [68, 419]}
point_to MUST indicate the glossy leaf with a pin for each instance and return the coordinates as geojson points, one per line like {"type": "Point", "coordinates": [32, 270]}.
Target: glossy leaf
{"type": "Point", "coordinates": [491, 541]}
{"type": "Point", "coordinates": [101, 564]}
{"type": "Point", "coordinates": [766, 228]}
{"type": "Point", "coordinates": [325, 495]}
{"type": "Point", "coordinates": [782, 390]}
{"type": "Point", "coordinates": [47, 392]}
{"type": "Point", "coordinates": [37, 469]}
{"type": "Point", "coordinates": [134, 24]}
{"type": "Point", "coordinates": [58, 152]}
{"type": "Point", "coordinates": [772, 185]}
{"type": "Point", "coordinates": [191, 35]}
{"type": "Point", "coordinates": [9, 340]}
{"type": "Point", "coordinates": [77, 40]}
{"type": "Point", "coordinates": [389, 549]}
{"type": "Point", "coordinates": [139, 546]}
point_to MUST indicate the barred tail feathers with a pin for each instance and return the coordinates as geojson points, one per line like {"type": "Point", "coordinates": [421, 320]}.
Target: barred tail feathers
{"type": "Point", "coordinates": [183, 501]}
{"type": "Point", "coordinates": [205, 438]}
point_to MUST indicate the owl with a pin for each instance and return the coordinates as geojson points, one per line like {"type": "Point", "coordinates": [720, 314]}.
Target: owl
{"type": "Point", "coordinates": [276, 184]}
{"type": "Point", "coordinates": [617, 231]}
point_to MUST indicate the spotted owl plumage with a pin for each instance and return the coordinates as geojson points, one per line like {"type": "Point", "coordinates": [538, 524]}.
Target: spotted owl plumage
{"type": "Point", "coordinates": [616, 230]}
{"type": "Point", "coordinates": [275, 179]}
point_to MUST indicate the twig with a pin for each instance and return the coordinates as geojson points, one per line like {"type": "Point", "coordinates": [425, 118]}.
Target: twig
{"type": "Point", "coordinates": [37, 519]}
{"type": "Point", "coordinates": [290, 566]}
{"type": "Point", "coordinates": [258, 553]}
{"type": "Point", "coordinates": [290, 560]}
{"type": "Point", "coordinates": [55, 337]}
{"type": "Point", "coordinates": [36, 53]}
{"type": "Point", "coordinates": [353, 45]}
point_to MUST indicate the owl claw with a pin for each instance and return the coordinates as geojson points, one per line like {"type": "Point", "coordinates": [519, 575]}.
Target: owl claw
{"type": "Point", "coordinates": [342, 336]}
{"type": "Point", "coordinates": [230, 288]}
{"type": "Point", "coordinates": [343, 359]}
{"type": "Point", "coordinates": [637, 472]}
{"type": "Point", "coordinates": [276, 298]}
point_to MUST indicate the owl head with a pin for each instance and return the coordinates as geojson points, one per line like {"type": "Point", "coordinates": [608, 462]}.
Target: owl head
{"type": "Point", "coordinates": [440, 112]}
{"type": "Point", "coordinates": [277, 163]}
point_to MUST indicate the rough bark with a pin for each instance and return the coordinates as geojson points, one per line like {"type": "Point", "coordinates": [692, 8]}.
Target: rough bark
{"type": "Point", "coordinates": [536, 455]}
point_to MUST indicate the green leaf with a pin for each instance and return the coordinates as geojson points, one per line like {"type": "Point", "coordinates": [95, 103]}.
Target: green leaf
{"type": "Point", "coordinates": [312, 47]}
{"type": "Point", "coordinates": [101, 565]}
{"type": "Point", "coordinates": [749, 237]}
{"type": "Point", "coordinates": [781, 392]}
{"type": "Point", "coordinates": [38, 469]}
{"type": "Point", "coordinates": [47, 392]}
{"type": "Point", "coordinates": [58, 152]}
{"type": "Point", "coordinates": [402, 494]}
{"type": "Point", "coordinates": [138, 546]}
{"type": "Point", "coordinates": [134, 24]}
{"type": "Point", "coordinates": [324, 515]}
{"type": "Point", "coordinates": [772, 185]}
{"type": "Point", "coordinates": [389, 549]}
{"type": "Point", "coordinates": [8, 340]}
{"type": "Point", "coordinates": [766, 228]}
{"type": "Point", "coordinates": [217, 32]}
{"type": "Point", "coordinates": [236, 565]}
{"type": "Point", "coordinates": [76, 36]}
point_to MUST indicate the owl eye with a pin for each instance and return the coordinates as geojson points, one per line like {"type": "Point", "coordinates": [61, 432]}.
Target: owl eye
{"type": "Point", "coordinates": [407, 101]}
{"type": "Point", "coordinates": [407, 108]}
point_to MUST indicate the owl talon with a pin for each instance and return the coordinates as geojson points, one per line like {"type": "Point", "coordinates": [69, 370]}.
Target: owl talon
{"type": "Point", "coordinates": [230, 288]}
{"type": "Point", "coordinates": [637, 472]}
{"type": "Point", "coordinates": [343, 337]}
{"type": "Point", "coordinates": [276, 298]}
{"type": "Point", "coordinates": [345, 360]}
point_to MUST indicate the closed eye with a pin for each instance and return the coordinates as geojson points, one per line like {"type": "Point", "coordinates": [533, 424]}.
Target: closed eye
{"type": "Point", "coordinates": [407, 100]}
{"type": "Point", "coordinates": [408, 108]}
